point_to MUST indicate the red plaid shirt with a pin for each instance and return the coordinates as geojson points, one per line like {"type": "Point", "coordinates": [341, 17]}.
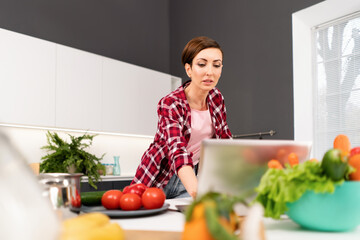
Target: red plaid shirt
{"type": "Point", "coordinates": [167, 154]}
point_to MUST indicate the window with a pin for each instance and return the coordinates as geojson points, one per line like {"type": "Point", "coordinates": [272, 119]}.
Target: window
{"type": "Point", "coordinates": [326, 85]}
{"type": "Point", "coordinates": [336, 82]}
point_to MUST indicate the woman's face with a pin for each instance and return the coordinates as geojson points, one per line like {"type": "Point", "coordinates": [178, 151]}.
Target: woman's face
{"type": "Point", "coordinates": [206, 69]}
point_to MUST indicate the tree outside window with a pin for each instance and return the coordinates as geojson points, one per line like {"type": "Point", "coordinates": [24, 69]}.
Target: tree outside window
{"type": "Point", "coordinates": [337, 84]}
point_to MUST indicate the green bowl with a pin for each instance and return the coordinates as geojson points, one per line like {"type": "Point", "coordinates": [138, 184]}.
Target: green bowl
{"type": "Point", "coordinates": [336, 212]}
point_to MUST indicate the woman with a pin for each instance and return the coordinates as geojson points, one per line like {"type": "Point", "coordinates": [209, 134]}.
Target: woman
{"type": "Point", "coordinates": [193, 112]}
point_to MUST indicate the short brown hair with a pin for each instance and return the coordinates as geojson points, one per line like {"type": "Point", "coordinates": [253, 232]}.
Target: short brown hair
{"type": "Point", "coordinates": [196, 45]}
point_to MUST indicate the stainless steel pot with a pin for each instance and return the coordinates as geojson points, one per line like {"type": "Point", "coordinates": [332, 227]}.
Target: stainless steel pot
{"type": "Point", "coordinates": [63, 191]}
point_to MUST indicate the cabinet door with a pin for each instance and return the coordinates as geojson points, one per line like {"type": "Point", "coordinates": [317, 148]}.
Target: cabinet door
{"type": "Point", "coordinates": [27, 80]}
{"type": "Point", "coordinates": [78, 89]}
{"type": "Point", "coordinates": [130, 96]}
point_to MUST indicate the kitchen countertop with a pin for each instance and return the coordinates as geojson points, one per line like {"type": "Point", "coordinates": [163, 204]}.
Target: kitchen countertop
{"type": "Point", "coordinates": [108, 178]}
{"type": "Point", "coordinates": [171, 222]}
{"type": "Point", "coordinates": [286, 229]}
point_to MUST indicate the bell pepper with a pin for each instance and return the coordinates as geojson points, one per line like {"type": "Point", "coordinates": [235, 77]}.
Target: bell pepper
{"type": "Point", "coordinates": [354, 151]}
{"type": "Point", "coordinates": [334, 164]}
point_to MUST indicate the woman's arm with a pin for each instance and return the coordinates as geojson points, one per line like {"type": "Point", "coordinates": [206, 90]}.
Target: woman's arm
{"type": "Point", "coordinates": [172, 122]}
{"type": "Point", "coordinates": [188, 179]}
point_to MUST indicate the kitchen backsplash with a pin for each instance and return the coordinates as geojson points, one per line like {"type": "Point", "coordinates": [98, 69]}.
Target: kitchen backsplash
{"type": "Point", "coordinates": [130, 148]}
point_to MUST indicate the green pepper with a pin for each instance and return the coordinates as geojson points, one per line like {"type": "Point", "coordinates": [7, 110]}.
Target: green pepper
{"type": "Point", "coordinates": [334, 164]}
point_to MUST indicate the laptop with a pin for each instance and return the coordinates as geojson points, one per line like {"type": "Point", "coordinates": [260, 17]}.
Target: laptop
{"type": "Point", "coordinates": [235, 166]}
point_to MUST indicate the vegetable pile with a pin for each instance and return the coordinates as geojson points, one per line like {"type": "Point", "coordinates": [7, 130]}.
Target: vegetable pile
{"type": "Point", "coordinates": [285, 184]}
{"type": "Point", "coordinates": [132, 198]}
{"type": "Point", "coordinates": [211, 217]}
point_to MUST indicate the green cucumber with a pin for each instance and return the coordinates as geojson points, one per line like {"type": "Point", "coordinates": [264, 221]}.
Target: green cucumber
{"type": "Point", "coordinates": [91, 198]}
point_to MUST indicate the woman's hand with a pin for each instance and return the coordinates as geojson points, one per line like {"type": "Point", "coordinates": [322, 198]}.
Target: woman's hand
{"type": "Point", "coordinates": [188, 179]}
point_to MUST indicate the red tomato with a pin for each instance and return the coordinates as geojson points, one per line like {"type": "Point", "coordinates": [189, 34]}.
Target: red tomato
{"type": "Point", "coordinates": [110, 199]}
{"type": "Point", "coordinates": [138, 189]}
{"type": "Point", "coordinates": [153, 198]}
{"type": "Point", "coordinates": [76, 200]}
{"type": "Point", "coordinates": [126, 189]}
{"type": "Point", "coordinates": [354, 151]}
{"type": "Point", "coordinates": [130, 201]}
{"type": "Point", "coordinates": [135, 191]}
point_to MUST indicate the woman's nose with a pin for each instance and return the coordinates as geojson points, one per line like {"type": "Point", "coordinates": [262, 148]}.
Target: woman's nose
{"type": "Point", "coordinates": [209, 70]}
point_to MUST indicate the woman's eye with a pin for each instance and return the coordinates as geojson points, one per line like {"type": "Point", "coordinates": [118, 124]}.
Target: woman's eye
{"type": "Point", "coordinates": [201, 64]}
{"type": "Point", "coordinates": [217, 65]}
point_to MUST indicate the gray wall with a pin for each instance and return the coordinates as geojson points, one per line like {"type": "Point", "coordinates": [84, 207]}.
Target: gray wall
{"type": "Point", "coordinates": [257, 75]}
{"type": "Point", "coordinates": [133, 31]}
{"type": "Point", "coordinates": [254, 34]}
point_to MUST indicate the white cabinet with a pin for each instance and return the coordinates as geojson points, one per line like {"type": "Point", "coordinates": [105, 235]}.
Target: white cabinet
{"type": "Point", "coordinates": [51, 85]}
{"type": "Point", "coordinates": [130, 96]}
{"type": "Point", "coordinates": [152, 86]}
{"type": "Point", "coordinates": [78, 89]}
{"type": "Point", "coordinates": [27, 74]}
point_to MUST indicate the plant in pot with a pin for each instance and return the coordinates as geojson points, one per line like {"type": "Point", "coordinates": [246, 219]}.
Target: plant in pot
{"type": "Point", "coordinates": [64, 157]}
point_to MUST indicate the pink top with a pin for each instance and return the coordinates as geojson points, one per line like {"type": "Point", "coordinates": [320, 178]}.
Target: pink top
{"type": "Point", "coordinates": [201, 128]}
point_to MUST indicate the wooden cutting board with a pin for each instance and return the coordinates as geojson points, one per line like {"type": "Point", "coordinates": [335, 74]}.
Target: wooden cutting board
{"type": "Point", "coordinates": [151, 235]}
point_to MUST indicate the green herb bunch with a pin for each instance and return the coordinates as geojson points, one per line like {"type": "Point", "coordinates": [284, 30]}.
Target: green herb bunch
{"type": "Point", "coordinates": [63, 156]}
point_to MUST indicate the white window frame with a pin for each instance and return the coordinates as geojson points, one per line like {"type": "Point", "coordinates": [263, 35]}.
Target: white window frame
{"type": "Point", "coordinates": [303, 52]}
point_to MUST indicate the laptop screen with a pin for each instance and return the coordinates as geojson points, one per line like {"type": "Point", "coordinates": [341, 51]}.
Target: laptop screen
{"type": "Point", "coordinates": [235, 166]}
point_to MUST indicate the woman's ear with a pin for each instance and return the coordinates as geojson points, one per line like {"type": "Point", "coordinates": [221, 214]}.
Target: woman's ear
{"type": "Point", "coordinates": [188, 69]}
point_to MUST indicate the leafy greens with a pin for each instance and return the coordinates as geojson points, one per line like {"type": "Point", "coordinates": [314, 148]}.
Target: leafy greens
{"type": "Point", "coordinates": [281, 186]}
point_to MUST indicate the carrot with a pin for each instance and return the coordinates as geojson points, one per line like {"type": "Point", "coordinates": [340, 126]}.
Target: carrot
{"type": "Point", "coordinates": [342, 142]}
{"type": "Point", "coordinates": [293, 159]}
{"type": "Point", "coordinates": [354, 161]}
{"type": "Point", "coordinates": [273, 163]}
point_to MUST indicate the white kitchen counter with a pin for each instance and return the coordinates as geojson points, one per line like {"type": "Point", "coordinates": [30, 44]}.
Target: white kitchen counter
{"type": "Point", "coordinates": [171, 220]}
{"type": "Point", "coordinates": [167, 221]}
{"type": "Point", "coordinates": [284, 229]}
{"type": "Point", "coordinates": [109, 178]}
